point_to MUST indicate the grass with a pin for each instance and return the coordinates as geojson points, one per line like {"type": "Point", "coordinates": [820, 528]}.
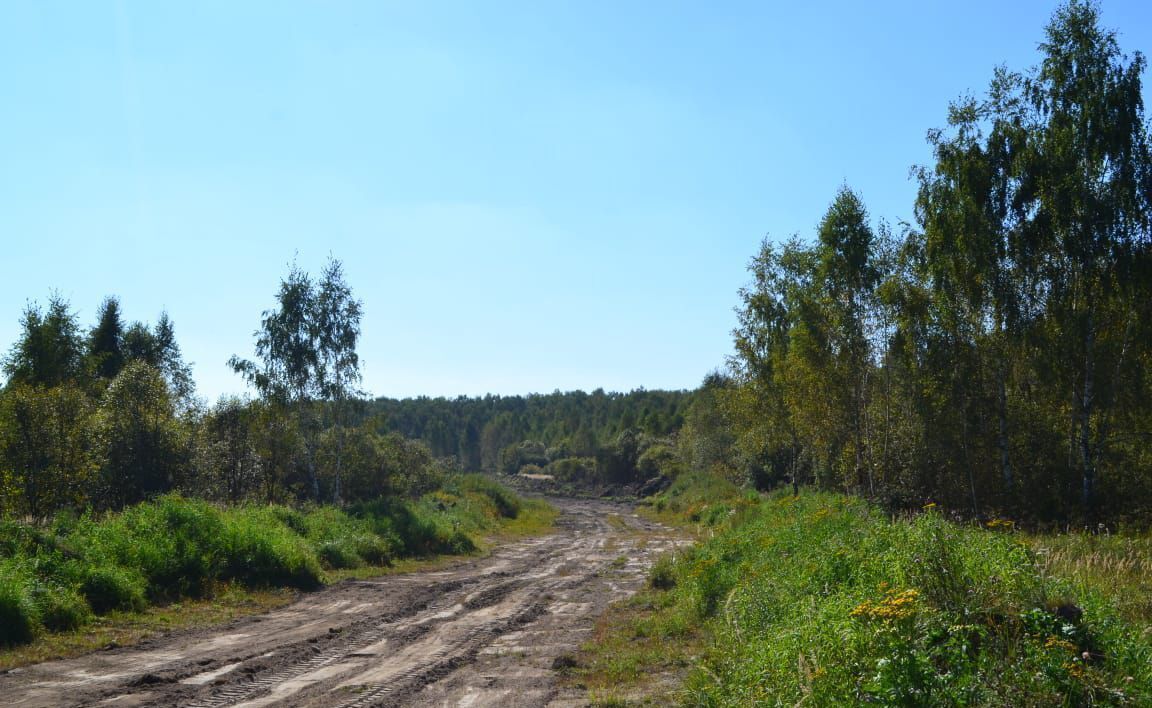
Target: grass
{"type": "Point", "coordinates": [823, 600]}
{"type": "Point", "coordinates": [640, 652]}
{"type": "Point", "coordinates": [62, 584]}
{"type": "Point", "coordinates": [1120, 566]}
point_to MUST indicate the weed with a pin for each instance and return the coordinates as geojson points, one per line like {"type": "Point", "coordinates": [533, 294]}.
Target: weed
{"type": "Point", "coordinates": [821, 599]}
{"type": "Point", "coordinates": [19, 620]}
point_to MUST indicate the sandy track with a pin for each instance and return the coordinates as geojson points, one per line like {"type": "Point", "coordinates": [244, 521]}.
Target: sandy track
{"type": "Point", "coordinates": [482, 633]}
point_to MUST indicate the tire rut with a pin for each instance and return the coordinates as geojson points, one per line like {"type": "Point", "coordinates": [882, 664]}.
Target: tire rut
{"type": "Point", "coordinates": [424, 638]}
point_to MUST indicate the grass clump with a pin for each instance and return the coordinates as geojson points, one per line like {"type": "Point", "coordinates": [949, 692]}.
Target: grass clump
{"type": "Point", "coordinates": [506, 504]}
{"type": "Point", "coordinates": [700, 498]}
{"type": "Point", "coordinates": [343, 541]}
{"type": "Point", "coordinates": [30, 605]}
{"type": "Point", "coordinates": [260, 550]}
{"type": "Point", "coordinates": [416, 529]}
{"type": "Point", "coordinates": [112, 587]}
{"type": "Point", "coordinates": [19, 618]}
{"type": "Point", "coordinates": [173, 543]}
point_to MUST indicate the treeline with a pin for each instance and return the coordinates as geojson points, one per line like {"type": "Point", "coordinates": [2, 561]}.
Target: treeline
{"type": "Point", "coordinates": [994, 355]}
{"type": "Point", "coordinates": [106, 416]}
{"type": "Point", "coordinates": [578, 436]}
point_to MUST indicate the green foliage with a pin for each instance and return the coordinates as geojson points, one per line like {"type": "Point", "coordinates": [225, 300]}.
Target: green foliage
{"type": "Point", "coordinates": [306, 348]}
{"type": "Point", "coordinates": [143, 449]}
{"type": "Point", "coordinates": [504, 433]}
{"type": "Point", "coordinates": [343, 541]}
{"type": "Point", "coordinates": [19, 619]}
{"type": "Point", "coordinates": [507, 504]}
{"type": "Point", "coordinates": [113, 587]}
{"type": "Point", "coordinates": [658, 459]}
{"type": "Point", "coordinates": [662, 575]}
{"type": "Point", "coordinates": [260, 550]}
{"type": "Point", "coordinates": [49, 445]}
{"type": "Point", "coordinates": [59, 607]}
{"type": "Point", "coordinates": [820, 598]}
{"type": "Point", "coordinates": [173, 543]}
{"type": "Point", "coordinates": [30, 604]}
{"type": "Point", "coordinates": [55, 577]}
{"type": "Point", "coordinates": [698, 494]}
{"type": "Point", "coordinates": [995, 359]}
{"type": "Point", "coordinates": [418, 529]}
{"type": "Point", "coordinates": [577, 470]}
{"type": "Point", "coordinates": [106, 341]}
{"type": "Point", "coordinates": [50, 349]}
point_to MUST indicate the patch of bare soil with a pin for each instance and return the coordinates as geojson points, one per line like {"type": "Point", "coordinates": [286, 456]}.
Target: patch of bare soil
{"type": "Point", "coordinates": [490, 632]}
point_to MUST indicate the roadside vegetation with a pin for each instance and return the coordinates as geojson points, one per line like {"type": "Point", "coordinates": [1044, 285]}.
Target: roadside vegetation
{"type": "Point", "coordinates": [824, 599]}
{"type": "Point", "coordinates": [63, 574]}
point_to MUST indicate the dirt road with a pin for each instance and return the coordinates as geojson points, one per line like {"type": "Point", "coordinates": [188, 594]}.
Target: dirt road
{"type": "Point", "coordinates": [485, 632]}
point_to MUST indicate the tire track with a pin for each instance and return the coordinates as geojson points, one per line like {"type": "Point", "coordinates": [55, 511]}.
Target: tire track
{"type": "Point", "coordinates": [451, 636]}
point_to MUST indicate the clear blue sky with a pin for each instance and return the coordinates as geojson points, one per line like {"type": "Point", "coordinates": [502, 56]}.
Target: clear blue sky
{"type": "Point", "coordinates": [527, 196]}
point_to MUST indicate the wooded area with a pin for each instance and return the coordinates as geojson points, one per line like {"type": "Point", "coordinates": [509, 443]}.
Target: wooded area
{"type": "Point", "coordinates": [995, 355]}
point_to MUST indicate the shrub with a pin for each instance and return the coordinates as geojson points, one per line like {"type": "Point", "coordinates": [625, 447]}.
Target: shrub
{"type": "Point", "coordinates": [259, 551]}
{"type": "Point", "coordinates": [17, 539]}
{"type": "Point", "coordinates": [112, 587]}
{"type": "Point", "coordinates": [343, 541]}
{"type": "Point", "coordinates": [335, 555]}
{"type": "Point", "coordinates": [19, 620]}
{"type": "Point", "coordinates": [60, 608]}
{"type": "Point", "coordinates": [173, 542]}
{"type": "Point", "coordinates": [507, 504]}
{"type": "Point", "coordinates": [662, 576]}
{"type": "Point", "coordinates": [417, 529]}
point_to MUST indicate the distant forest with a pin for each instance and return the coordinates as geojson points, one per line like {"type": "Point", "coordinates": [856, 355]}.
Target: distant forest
{"type": "Point", "coordinates": [498, 433]}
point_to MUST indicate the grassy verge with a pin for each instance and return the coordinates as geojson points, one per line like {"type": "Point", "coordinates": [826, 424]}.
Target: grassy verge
{"type": "Point", "coordinates": [120, 628]}
{"type": "Point", "coordinates": [821, 599]}
{"type": "Point", "coordinates": [84, 582]}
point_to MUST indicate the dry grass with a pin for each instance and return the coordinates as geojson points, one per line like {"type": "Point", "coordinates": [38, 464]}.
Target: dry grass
{"type": "Point", "coordinates": [617, 522]}
{"type": "Point", "coordinates": [1118, 567]}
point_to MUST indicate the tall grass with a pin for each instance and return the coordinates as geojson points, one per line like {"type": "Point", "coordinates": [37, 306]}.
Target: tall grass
{"type": "Point", "coordinates": [1118, 567]}
{"type": "Point", "coordinates": [58, 576]}
{"type": "Point", "coordinates": [821, 599]}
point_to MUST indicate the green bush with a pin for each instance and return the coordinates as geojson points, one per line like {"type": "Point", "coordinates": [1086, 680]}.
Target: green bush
{"type": "Point", "coordinates": [261, 551]}
{"type": "Point", "coordinates": [112, 587]}
{"type": "Point", "coordinates": [662, 576]}
{"type": "Point", "coordinates": [343, 541]}
{"type": "Point", "coordinates": [418, 528]}
{"type": "Point", "coordinates": [60, 608]}
{"type": "Point", "coordinates": [335, 555]}
{"type": "Point", "coordinates": [822, 599]}
{"type": "Point", "coordinates": [292, 518]}
{"type": "Point", "coordinates": [17, 539]}
{"type": "Point", "coordinates": [19, 616]}
{"type": "Point", "coordinates": [173, 542]}
{"type": "Point", "coordinates": [507, 504]}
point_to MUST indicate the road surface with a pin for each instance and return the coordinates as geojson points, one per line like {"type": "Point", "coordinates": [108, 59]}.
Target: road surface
{"type": "Point", "coordinates": [485, 632]}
